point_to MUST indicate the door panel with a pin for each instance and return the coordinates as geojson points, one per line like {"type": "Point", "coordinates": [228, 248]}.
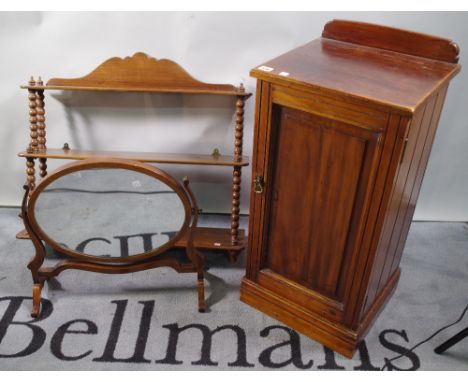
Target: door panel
{"type": "Point", "coordinates": [319, 176]}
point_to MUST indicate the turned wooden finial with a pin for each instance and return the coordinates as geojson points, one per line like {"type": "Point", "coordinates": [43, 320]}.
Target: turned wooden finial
{"type": "Point", "coordinates": [241, 88]}
{"type": "Point", "coordinates": [31, 81]}
{"type": "Point", "coordinates": [39, 81]}
{"type": "Point", "coordinates": [216, 153]}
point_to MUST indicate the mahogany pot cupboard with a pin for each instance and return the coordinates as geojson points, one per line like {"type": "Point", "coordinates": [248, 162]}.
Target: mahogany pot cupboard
{"type": "Point", "coordinates": [343, 130]}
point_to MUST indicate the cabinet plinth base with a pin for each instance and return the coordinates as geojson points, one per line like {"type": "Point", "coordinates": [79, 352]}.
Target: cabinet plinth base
{"type": "Point", "coordinates": [335, 336]}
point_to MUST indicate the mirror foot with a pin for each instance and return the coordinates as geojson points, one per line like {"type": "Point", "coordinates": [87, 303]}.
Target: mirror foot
{"type": "Point", "coordinates": [201, 293]}
{"type": "Point", "coordinates": [36, 297]}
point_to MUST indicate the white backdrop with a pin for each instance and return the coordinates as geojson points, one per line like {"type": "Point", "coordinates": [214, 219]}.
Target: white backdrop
{"type": "Point", "coordinates": [213, 47]}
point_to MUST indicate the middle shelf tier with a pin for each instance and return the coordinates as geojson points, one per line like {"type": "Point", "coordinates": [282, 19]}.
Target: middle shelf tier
{"type": "Point", "coordinates": [149, 157]}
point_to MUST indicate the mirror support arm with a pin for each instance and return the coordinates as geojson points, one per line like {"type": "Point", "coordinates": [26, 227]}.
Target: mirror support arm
{"type": "Point", "coordinates": [35, 263]}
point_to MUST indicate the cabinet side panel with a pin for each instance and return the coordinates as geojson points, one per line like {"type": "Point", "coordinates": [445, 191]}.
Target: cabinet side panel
{"type": "Point", "coordinates": [392, 147]}
{"type": "Point", "coordinates": [405, 188]}
{"type": "Point", "coordinates": [391, 213]}
{"type": "Point", "coordinates": [414, 193]}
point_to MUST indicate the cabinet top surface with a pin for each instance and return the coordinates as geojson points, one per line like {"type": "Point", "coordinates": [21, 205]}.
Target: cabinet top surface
{"type": "Point", "coordinates": [396, 80]}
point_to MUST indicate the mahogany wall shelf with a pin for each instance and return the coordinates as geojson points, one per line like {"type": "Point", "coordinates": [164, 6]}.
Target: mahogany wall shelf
{"type": "Point", "coordinates": [141, 73]}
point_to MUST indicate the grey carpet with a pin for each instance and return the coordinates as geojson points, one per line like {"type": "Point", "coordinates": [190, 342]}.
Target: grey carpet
{"type": "Point", "coordinates": [135, 321]}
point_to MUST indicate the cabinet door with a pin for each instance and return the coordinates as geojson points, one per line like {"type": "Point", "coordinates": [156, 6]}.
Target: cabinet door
{"type": "Point", "coordinates": [321, 173]}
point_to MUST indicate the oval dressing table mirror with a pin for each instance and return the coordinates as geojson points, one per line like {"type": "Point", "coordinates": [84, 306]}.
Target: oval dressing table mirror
{"type": "Point", "coordinates": [110, 216]}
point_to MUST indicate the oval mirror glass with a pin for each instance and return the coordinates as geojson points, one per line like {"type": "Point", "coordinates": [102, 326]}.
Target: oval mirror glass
{"type": "Point", "coordinates": [109, 212]}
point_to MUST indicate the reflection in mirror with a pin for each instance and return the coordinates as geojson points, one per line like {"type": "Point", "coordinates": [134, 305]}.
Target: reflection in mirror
{"type": "Point", "coordinates": [109, 212]}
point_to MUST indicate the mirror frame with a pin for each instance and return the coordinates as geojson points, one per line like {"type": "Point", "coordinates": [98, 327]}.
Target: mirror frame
{"type": "Point", "coordinates": [109, 163]}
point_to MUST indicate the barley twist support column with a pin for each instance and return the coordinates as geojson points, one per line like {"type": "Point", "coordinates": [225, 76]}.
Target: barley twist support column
{"type": "Point", "coordinates": [237, 172]}
{"type": "Point", "coordinates": [30, 171]}
{"type": "Point", "coordinates": [40, 111]}
{"type": "Point", "coordinates": [32, 96]}
{"type": "Point", "coordinates": [33, 143]}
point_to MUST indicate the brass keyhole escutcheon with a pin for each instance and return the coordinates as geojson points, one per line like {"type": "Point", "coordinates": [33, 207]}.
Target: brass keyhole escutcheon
{"type": "Point", "coordinates": [258, 184]}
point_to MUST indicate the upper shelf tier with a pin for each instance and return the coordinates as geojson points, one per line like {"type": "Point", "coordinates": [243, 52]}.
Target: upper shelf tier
{"type": "Point", "coordinates": [139, 73]}
{"type": "Point", "coordinates": [149, 157]}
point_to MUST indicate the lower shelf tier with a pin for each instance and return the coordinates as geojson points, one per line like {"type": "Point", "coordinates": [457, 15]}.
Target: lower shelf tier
{"type": "Point", "coordinates": [204, 238]}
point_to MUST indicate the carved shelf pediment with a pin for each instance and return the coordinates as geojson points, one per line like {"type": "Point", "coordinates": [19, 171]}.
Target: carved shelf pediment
{"type": "Point", "coordinates": [140, 72]}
